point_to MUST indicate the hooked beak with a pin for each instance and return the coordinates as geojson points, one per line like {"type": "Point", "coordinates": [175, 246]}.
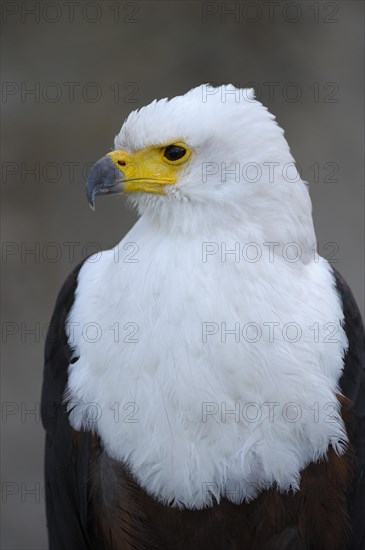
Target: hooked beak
{"type": "Point", "coordinates": [142, 171]}
{"type": "Point", "coordinates": [104, 177]}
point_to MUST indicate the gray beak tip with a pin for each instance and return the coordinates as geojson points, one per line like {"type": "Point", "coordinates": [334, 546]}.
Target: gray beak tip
{"type": "Point", "coordinates": [104, 177]}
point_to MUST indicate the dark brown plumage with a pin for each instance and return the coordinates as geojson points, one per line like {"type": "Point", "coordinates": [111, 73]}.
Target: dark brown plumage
{"type": "Point", "coordinates": [315, 517]}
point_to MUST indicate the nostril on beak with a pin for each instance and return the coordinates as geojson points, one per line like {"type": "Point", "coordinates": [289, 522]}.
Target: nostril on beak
{"type": "Point", "coordinates": [121, 162]}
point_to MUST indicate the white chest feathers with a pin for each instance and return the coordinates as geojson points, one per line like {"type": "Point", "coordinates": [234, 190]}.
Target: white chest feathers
{"type": "Point", "coordinates": [206, 377]}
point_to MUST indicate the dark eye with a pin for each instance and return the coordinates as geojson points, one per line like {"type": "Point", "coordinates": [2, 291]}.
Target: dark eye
{"type": "Point", "coordinates": [174, 152]}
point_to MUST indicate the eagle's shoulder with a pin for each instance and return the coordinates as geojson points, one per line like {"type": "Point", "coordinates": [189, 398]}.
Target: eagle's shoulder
{"type": "Point", "coordinates": [352, 385]}
{"type": "Point", "coordinates": [57, 351]}
{"type": "Point", "coordinates": [66, 452]}
{"type": "Point", "coordinates": [353, 378]}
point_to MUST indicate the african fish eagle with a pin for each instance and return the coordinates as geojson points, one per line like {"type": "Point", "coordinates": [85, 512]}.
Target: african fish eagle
{"type": "Point", "coordinates": [204, 379]}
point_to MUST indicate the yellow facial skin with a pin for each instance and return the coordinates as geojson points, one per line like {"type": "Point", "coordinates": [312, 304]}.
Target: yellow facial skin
{"type": "Point", "coordinates": [148, 170]}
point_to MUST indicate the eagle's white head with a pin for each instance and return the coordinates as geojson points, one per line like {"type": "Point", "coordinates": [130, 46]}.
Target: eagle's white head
{"type": "Point", "coordinates": [211, 156]}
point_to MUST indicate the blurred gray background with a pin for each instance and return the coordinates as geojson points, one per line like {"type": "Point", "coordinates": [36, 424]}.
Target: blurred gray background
{"type": "Point", "coordinates": [71, 73]}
